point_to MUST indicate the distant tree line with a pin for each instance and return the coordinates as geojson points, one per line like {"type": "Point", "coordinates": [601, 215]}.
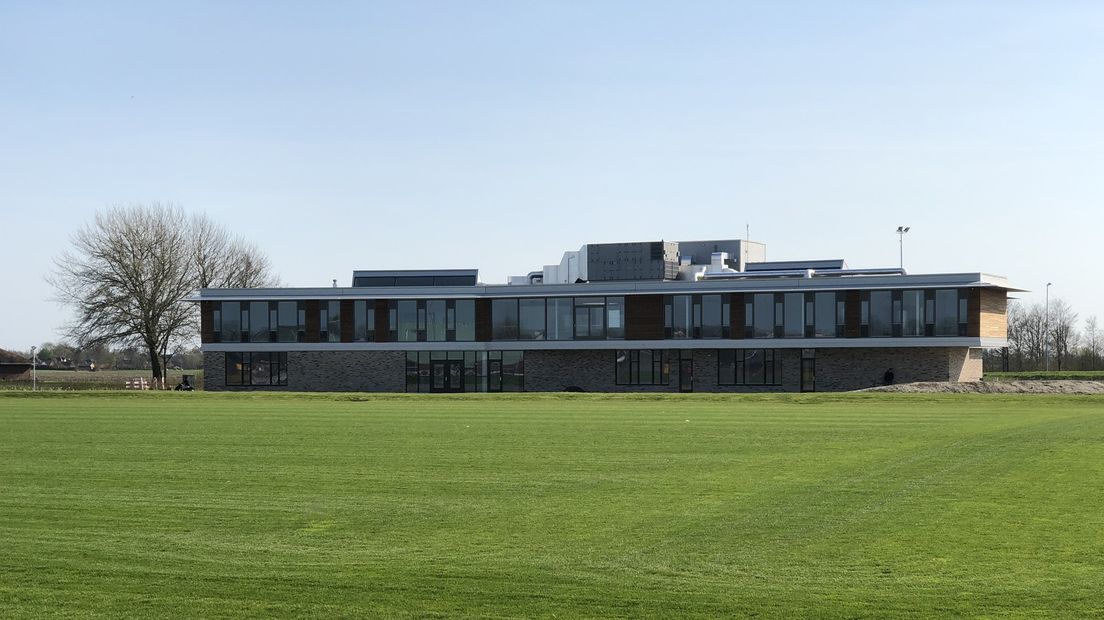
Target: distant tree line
{"type": "Point", "coordinates": [68, 356]}
{"type": "Point", "coordinates": [1068, 342]}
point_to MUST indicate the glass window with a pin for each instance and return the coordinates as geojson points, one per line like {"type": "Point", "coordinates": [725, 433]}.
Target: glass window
{"type": "Point", "coordinates": [289, 321]}
{"type": "Point", "coordinates": [712, 318]}
{"type": "Point", "coordinates": [825, 315]}
{"type": "Point", "coordinates": [726, 367]}
{"type": "Point", "coordinates": [408, 320]}
{"type": "Point", "coordinates": [258, 321]}
{"type": "Point", "coordinates": [912, 313]}
{"type": "Point", "coordinates": [749, 367]}
{"type": "Point", "coordinates": [504, 319]}
{"type": "Point", "coordinates": [244, 369]}
{"type": "Point", "coordinates": [513, 371]}
{"type": "Point", "coordinates": [682, 321]}
{"type": "Point", "coordinates": [794, 326]}
{"type": "Point", "coordinates": [946, 312]}
{"type": "Point", "coordinates": [590, 318]}
{"type": "Point", "coordinates": [623, 372]}
{"type": "Point", "coordinates": [333, 322]}
{"type": "Point", "coordinates": [560, 323]}
{"type": "Point", "coordinates": [641, 367]}
{"type": "Point", "coordinates": [360, 320]}
{"type": "Point", "coordinates": [234, 366]}
{"type": "Point", "coordinates": [231, 321]}
{"type": "Point", "coordinates": [881, 314]}
{"type": "Point", "coordinates": [465, 320]}
{"type": "Point", "coordinates": [436, 320]}
{"type": "Point", "coordinates": [531, 322]}
{"type": "Point", "coordinates": [755, 366]}
{"type": "Point", "coordinates": [615, 317]}
{"type": "Point", "coordinates": [261, 373]}
{"type": "Point", "coordinates": [763, 313]}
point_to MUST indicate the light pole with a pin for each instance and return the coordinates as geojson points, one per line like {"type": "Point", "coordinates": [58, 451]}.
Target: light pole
{"type": "Point", "coordinates": [34, 369]}
{"type": "Point", "coordinates": [1046, 328]}
{"type": "Point", "coordinates": [901, 230]}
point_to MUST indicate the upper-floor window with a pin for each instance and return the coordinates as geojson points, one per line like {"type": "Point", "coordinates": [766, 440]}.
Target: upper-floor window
{"type": "Point", "coordinates": [260, 321]}
{"type": "Point", "coordinates": [696, 316]}
{"type": "Point", "coordinates": [329, 321]}
{"type": "Point", "coordinates": [364, 320]}
{"type": "Point", "coordinates": [590, 318]}
{"type": "Point", "coordinates": [911, 313]}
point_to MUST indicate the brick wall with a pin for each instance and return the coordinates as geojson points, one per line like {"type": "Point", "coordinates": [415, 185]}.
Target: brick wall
{"type": "Point", "coordinates": [852, 369]}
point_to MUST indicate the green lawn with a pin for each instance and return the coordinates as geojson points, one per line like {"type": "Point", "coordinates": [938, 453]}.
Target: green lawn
{"type": "Point", "coordinates": [207, 505]}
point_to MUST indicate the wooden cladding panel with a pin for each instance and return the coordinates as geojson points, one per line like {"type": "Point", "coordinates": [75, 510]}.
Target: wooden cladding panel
{"type": "Point", "coordinates": [737, 315]}
{"type": "Point", "coordinates": [206, 321]}
{"type": "Point", "coordinates": [644, 317]}
{"type": "Point", "coordinates": [382, 320]}
{"type": "Point", "coordinates": [973, 313]}
{"type": "Point", "coordinates": [314, 316]}
{"type": "Point", "coordinates": [348, 321]}
{"type": "Point", "coordinates": [993, 313]}
{"type": "Point", "coordinates": [852, 314]}
{"type": "Point", "coordinates": [483, 320]}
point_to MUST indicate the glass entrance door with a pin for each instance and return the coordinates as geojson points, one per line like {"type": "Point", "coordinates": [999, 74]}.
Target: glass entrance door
{"type": "Point", "coordinates": [808, 375]}
{"type": "Point", "coordinates": [446, 376]}
{"type": "Point", "coordinates": [686, 375]}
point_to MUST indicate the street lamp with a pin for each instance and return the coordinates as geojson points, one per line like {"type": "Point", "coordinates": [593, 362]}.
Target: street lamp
{"type": "Point", "coordinates": [901, 230]}
{"type": "Point", "coordinates": [34, 369]}
{"type": "Point", "coordinates": [1046, 328]}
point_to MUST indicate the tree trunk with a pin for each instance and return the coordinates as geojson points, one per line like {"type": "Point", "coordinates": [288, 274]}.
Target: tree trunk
{"type": "Point", "coordinates": [155, 361]}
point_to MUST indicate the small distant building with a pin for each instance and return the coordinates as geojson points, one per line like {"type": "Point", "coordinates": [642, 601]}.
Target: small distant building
{"type": "Point", "coordinates": [656, 316]}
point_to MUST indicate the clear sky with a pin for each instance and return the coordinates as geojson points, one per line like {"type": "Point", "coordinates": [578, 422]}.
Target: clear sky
{"type": "Point", "coordinates": [496, 135]}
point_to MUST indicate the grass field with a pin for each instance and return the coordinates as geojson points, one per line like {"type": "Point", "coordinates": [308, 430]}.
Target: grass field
{"type": "Point", "coordinates": [208, 505]}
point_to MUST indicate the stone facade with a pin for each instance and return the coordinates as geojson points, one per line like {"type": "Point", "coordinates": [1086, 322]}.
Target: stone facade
{"type": "Point", "coordinates": [595, 370]}
{"type": "Point", "coordinates": [994, 313]}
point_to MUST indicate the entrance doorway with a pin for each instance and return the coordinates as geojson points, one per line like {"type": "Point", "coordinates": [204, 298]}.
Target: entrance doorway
{"type": "Point", "coordinates": [808, 374]}
{"type": "Point", "coordinates": [686, 375]}
{"type": "Point", "coordinates": [446, 376]}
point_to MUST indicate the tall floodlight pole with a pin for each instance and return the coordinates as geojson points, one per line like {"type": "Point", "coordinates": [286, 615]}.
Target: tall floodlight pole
{"type": "Point", "coordinates": [34, 369]}
{"type": "Point", "coordinates": [901, 230]}
{"type": "Point", "coordinates": [1046, 328]}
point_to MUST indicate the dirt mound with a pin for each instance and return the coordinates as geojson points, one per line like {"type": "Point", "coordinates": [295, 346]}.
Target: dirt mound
{"type": "Point", "coordinates": [996, 387]}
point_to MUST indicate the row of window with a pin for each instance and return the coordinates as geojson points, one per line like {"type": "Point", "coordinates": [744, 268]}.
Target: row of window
{"type": "Point", "coordinates": [260, 321]}
{"type": "Point", "coordinates": [465, 371]}
{"type": "Point", "coordinates": [249, 369]}
{"type": "Point", "coordinates": [890, 313]}
{"type": "Point", "coordinates": [504, 371]}
{"type": "Point", "coordinates": [558, 318]}
{"type": "Point", "coordinates": [734, 366]}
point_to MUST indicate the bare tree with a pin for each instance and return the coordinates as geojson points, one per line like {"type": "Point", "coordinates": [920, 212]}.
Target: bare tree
{"type": "Point", "coordinates": [130, 269]}
{"type": "Point", "coordinates": [1063, 330]}
{"type": "Point", "coordinates": [226, 261]}
{"type": "Point", "coordinates": [1092, 341]}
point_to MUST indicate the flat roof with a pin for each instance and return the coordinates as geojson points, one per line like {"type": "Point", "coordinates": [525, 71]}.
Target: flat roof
{"type": "Point", "coordinates": [665, 287]}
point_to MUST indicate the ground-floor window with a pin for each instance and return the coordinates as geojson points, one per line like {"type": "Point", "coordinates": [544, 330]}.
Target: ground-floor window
{"type": "Point", "coordinates": [642, 367]}
{"type": "Point", "coordinates": [465, 371]}
{"type": "Point", "coordinates": [253, 368]}
{"type": "Point", "coordinates": [749, 367]}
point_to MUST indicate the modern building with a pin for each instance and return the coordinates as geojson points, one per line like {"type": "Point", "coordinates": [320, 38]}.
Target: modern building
{"type": "Point", "coordinates": [664, 316]}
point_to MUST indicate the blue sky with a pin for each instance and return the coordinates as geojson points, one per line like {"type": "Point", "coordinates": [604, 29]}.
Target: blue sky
{"type": "Point", "coordinates": [497, 135]}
